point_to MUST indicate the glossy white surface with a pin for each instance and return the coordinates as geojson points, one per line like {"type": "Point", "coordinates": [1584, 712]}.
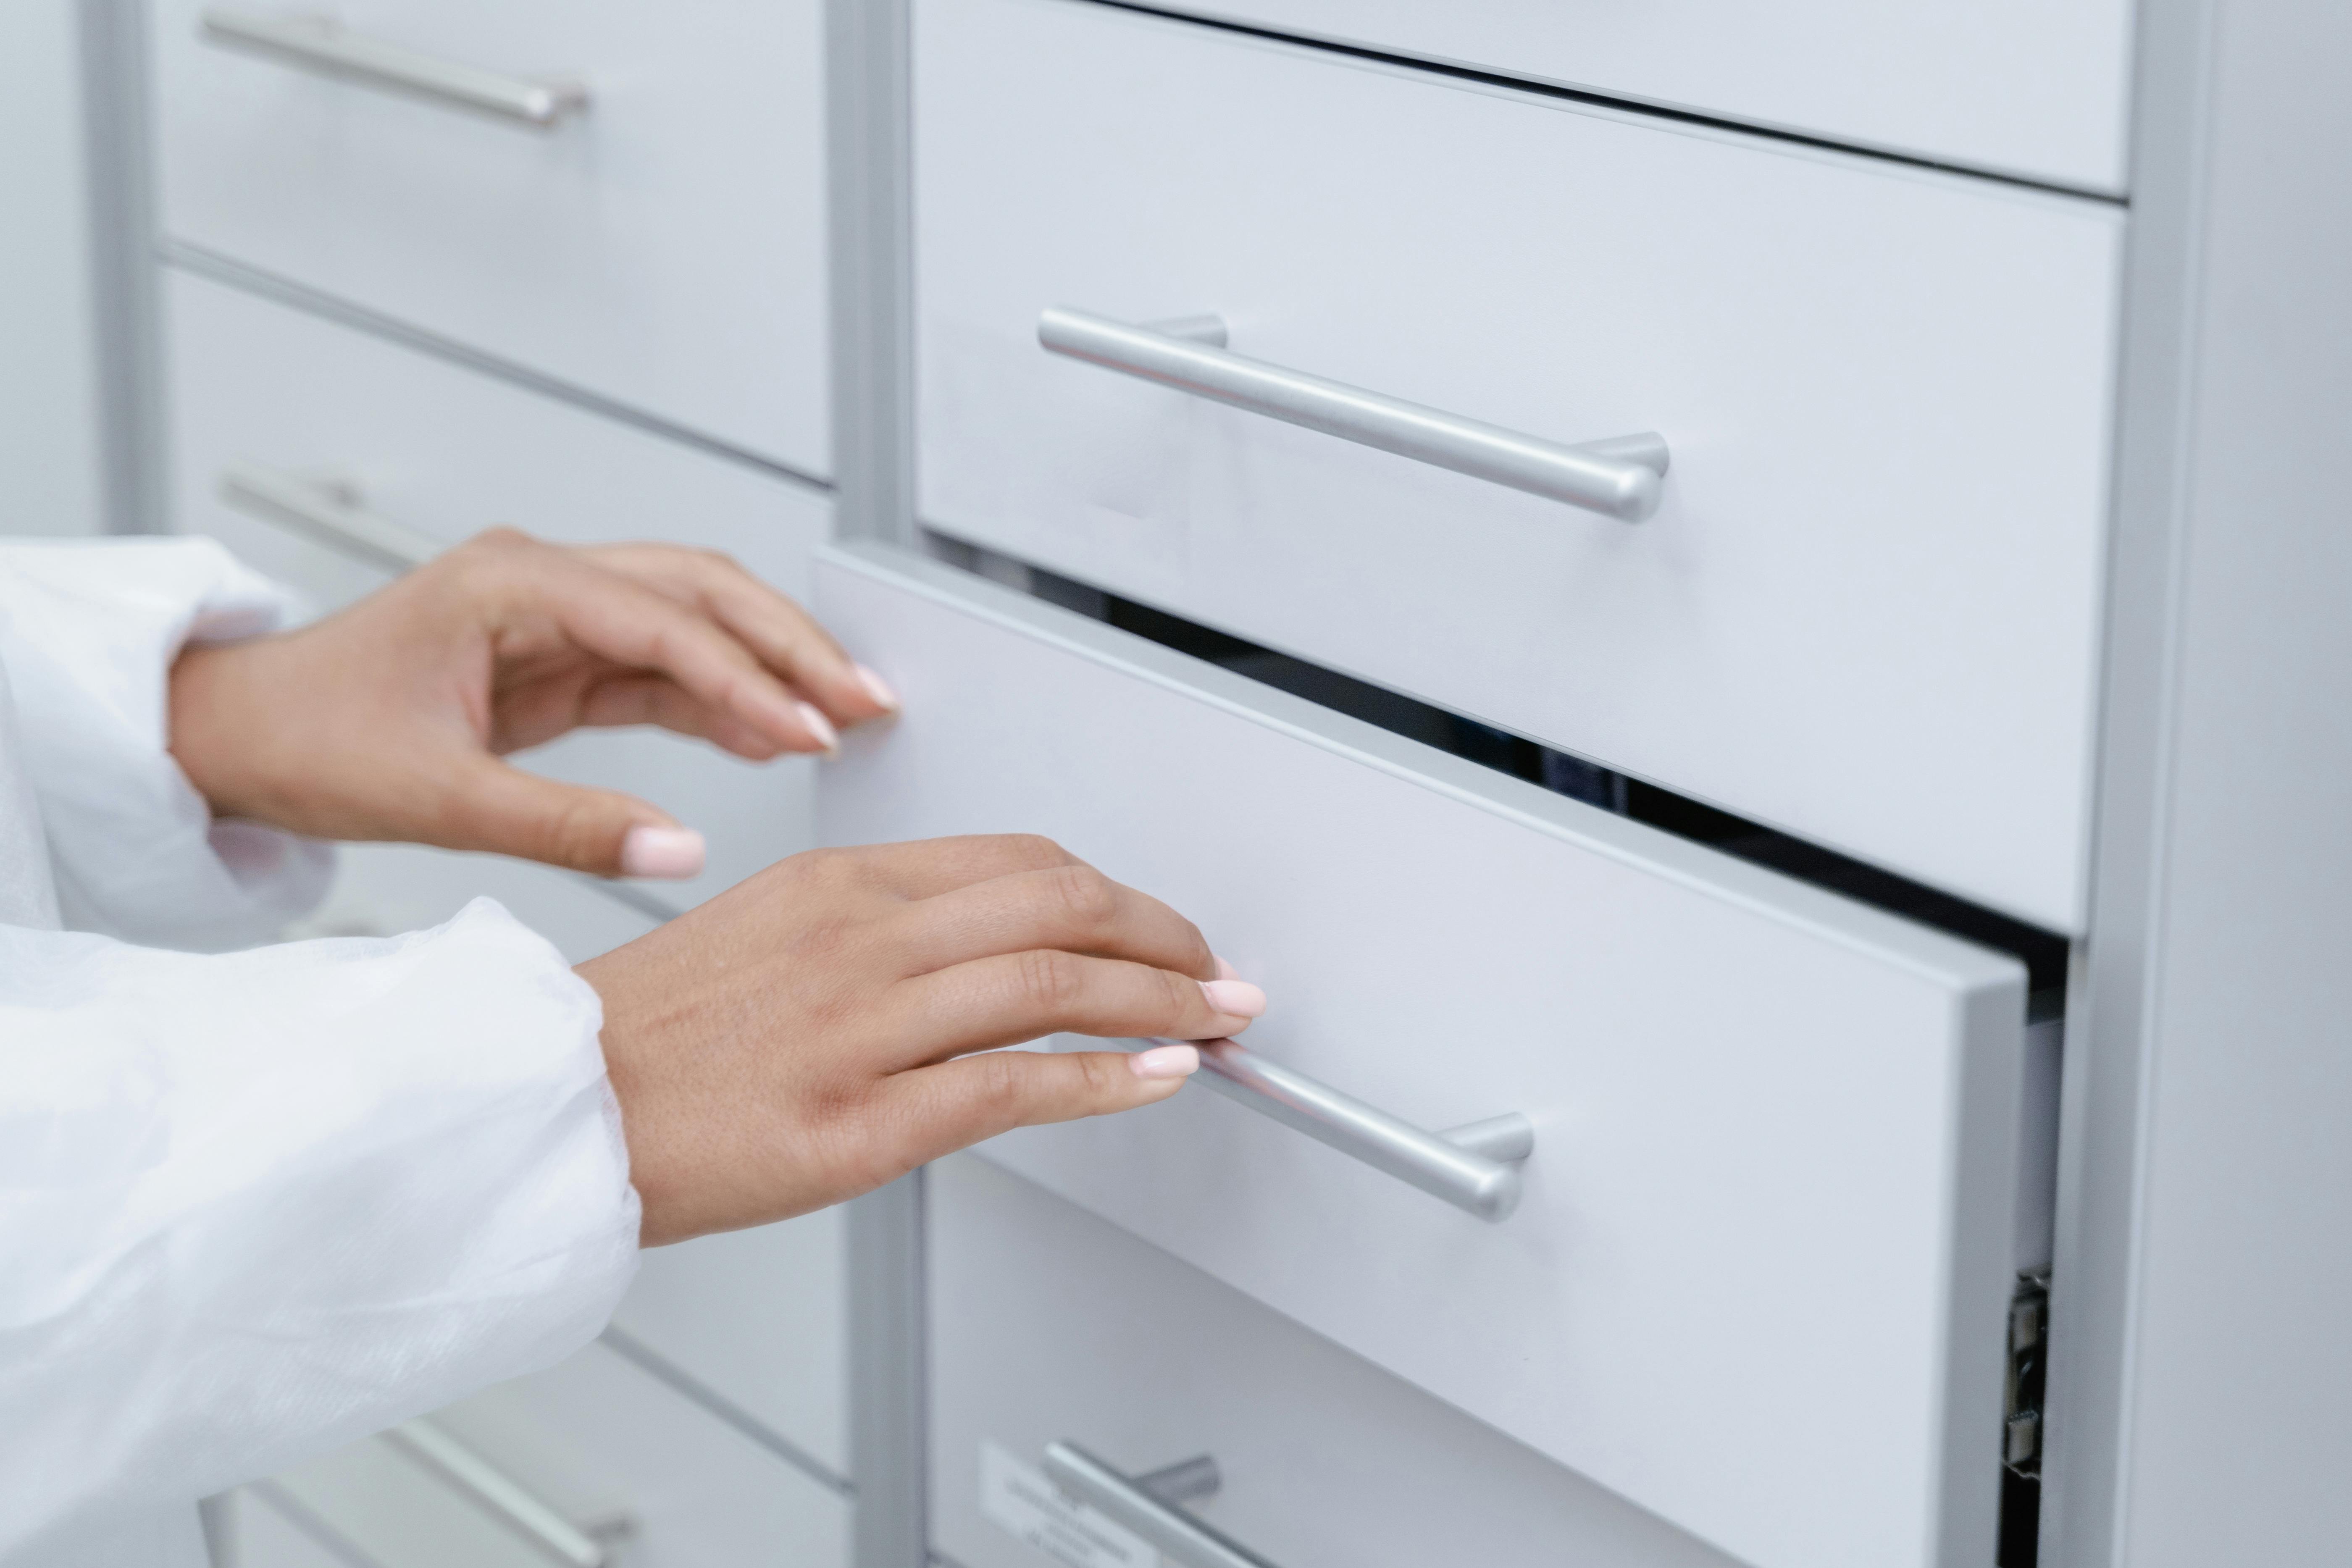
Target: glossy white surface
{"type": "Point", "coordinates": [1757, 1284]}
{"type": "Point", "coordinates": [449, 452]}
{"type": "Point", "coordinates": [1866, 613]}
{"type": "Point", "coordinates": [1054, 1326]}
{"type": "Point", "coordinates": [594, 1438]}
{"type": "Point", "coordinates": [759, 1317]}
{"type": "Point", "coordinates": [2035, 87]}
{"type": "Point", "coordinates": [664, 250]}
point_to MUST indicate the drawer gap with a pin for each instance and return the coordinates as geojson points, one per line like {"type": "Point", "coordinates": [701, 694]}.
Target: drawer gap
{"type": "Point", "coordinates": [2043, 954]}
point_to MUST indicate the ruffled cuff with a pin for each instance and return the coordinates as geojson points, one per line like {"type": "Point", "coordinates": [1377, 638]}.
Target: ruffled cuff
{"type": "Point", "coordinates": [88, 629]}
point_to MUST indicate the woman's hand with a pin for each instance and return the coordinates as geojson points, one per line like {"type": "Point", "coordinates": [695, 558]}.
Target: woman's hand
{"type": "Point", "coordinates": [810, 1035]}
{"type": "Point", "coordinates": [387, 722]}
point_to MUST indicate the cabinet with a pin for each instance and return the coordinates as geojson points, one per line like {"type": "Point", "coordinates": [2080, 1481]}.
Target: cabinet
{"type": "Point", "coordinates": [1977, 670]}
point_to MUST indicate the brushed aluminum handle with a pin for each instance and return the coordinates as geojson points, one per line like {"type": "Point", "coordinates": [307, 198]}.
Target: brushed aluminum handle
{"type": "Point", "coordinates": [323, 45]}
{"type": "Point", "coordinates": [1621, 476]}
{"type": "Point", "coordinates": [329, 513]}
{"type": "Point", "coordinates": [1473, 1167]}
{"type": "Point", "coordinates": [1131, 1501]}
{"type": "Point", "coordinates": [507, 1500]}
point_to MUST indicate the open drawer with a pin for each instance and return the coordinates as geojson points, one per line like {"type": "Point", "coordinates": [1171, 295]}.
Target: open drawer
{"type": "Point", "coordinates": [1756, 1279]}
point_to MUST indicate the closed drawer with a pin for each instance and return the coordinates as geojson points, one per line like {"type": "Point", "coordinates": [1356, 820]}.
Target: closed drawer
{"type": "Point", "coordinates": [1864, 613]}
{"type": "Point", "coordinates": [2033, 87]}
{"type": "Point", "coordinates": [443, 453]}
{"type": "Point", "coordinates": [594, 1447]}
{"type": "Point", "coordinates": [1768, 1214]}
{"type": "Point", "coordinates": [758, 1318]}
{"type": "Point", "coordinates": [1058, 1327]}
{"type": "Point", "coordinates": [664, 247]}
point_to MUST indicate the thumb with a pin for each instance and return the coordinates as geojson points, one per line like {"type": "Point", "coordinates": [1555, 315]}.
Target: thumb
{"type": "Point", "coordinates": [507, 811]}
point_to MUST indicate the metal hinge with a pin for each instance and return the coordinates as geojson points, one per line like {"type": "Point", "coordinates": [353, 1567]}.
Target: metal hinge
{"type": "Point", "coordinates": [2029, 1342]}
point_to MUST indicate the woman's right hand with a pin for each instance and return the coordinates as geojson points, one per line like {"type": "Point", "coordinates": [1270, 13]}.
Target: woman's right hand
{"type": "Point", "coordinates": [814, 1033]}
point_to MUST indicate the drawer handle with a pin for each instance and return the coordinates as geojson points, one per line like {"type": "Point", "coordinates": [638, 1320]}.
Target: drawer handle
{"type": "Point", "coordinates": [1145, 1505]}
{"type": "Point", "coordinates": [506, 1500]}
{"type": "Point", "coordinates": [1474, 1167]}
{"type": "Point", "coordinates": [323, 45]}
{"type": "Point", "coordinates": [1619, 478]}
{"type": "Point", "coordinates": [326, 512]}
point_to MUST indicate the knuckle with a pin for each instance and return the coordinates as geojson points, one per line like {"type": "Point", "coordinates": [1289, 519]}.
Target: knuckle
{"type": "Point", "coordinates": [582, 832]}
{"type": "Point", "coordinates": [1048, 982]}
{"type": "Point", "coordinates": [1081, 896]}
{"type": "Point", "coordinates": [1035, 849]}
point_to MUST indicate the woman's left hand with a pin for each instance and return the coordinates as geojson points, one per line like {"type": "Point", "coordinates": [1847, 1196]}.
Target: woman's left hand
{"type": "Point", "coordinates": [387, 720]}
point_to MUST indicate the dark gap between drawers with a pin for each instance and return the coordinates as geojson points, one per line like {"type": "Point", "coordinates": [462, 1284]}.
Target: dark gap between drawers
{"type": "Point", "coordinates": [2042, 952]}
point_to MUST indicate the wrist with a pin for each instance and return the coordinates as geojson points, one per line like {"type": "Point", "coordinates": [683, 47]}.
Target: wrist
{"type": "Point", "coordinates": [212, 730]}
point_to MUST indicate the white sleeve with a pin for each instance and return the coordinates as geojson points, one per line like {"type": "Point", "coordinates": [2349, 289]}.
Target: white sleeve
{"type": "Point", "coordinates": [88, 629]}
{"type": "Point", "coordinates": [255, 1205]}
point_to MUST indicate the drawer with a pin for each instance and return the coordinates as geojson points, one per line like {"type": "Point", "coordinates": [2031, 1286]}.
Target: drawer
{"type": "Point", "coordinates": [1058, 1327]}
{"type": "Point", "coordinates": [1864, 611]}
{"type": "Point", "coordinates": [2032, 86]}
{"type": "Point", "coordinates": [664, 247]}
{"type": "Point", "coordinates": [1756, 1280]}
{"type": "Point", "coordinates": [593, 1447]}
{"type": "Point", "coordinates": [443, 453]}
{"type": "Point", "coordinates": [759, 1318]}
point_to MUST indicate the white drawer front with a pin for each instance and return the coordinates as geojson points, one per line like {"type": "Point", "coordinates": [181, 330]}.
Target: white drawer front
{"type": "Point", "coordinates": [1770, 1211]}
{"type": "Point", "coordinates": [446, 453]}
{"type": "Point", "coordinates": [664, 249]}
{"type": "Point", "coordinates": [2032, 86]}
{"type": "Point", "coordinates": [383, 889]}
{"type": "Point", "coordinates": [1865, 611]}
{"type": "Point", "coordinates": [760, 1317]}
{"type": "Point", "coordinates": [1054, 1326]}
{"type": "Point", "coordinates": [602, 1446]}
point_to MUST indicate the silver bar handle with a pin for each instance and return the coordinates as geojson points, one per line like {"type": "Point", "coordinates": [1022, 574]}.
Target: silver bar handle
{"type": "Point", "coordinates": [323, 45]}
{"type": "Point", "coordinates": [1182, 1539]}
{"type": "Point", "coordinates": [506, 1500]}
{"type": "Point", "coordinates": [1621, 476]}
{"type": "Point", "coordinates": [331, 514]}
{"type": "Point", "coordinates": [1474, 1167]}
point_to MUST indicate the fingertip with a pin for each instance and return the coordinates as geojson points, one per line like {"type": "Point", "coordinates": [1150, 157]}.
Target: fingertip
{"type": "Point", "coordinates": [820, 728]}
{"type": "Point", "coordinates": [876, 687]}
{"type": "Point", "coordinates": [1224, 971]}
{"type": "Point", "coordinates": [1235, 999]}
{"type": "Point", "coordinates": [1160, 1062]}
{"type": "Point", "coordinates": [667, 853]}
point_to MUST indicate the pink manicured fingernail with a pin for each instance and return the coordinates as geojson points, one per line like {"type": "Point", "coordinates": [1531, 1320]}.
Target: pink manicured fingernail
{"type": "Point", "coordinates": [1165, 1061]}
{"type": "Point", "coordinates": [1238, 997]}
{"type": "Point", "coordinates": [1227, 971]}
{"type": "Point", "coordinates": [878, 689]}
{"type": "Point", "coordinates": [821, 727]}
{"type": "Point", "coordinates": [666, 852]}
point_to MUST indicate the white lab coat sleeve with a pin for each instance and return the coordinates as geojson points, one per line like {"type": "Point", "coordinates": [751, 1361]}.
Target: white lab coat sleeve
{"type": "Point", "coordinates": [88, 629]}
{"type": "Point", "coordinates": [254, 1205]}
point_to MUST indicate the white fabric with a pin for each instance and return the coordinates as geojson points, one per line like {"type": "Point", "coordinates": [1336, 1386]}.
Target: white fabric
{"type": "Point", "coordinates": [252, 1204]}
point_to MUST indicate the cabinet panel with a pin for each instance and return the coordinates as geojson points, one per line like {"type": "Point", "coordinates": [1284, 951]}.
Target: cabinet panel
{"type": "Point", "coordinates": [1864, 611]}
{"type": "Point", "coordinates": [665, 247]}
{"type": "Point", "coordinates": [1770, 1213]}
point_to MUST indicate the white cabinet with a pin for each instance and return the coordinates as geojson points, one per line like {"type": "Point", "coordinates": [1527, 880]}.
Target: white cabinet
{"type": "Point", "coordinates": [444, 453]}
{"type": "Point", "coordinates": [664, 247]}
{"type": "Point", "coordinates": [1866, 613]}
{"type": "Point", "coordinates": [2036, 87]}
{"type": "Point", "coordinates": [595, 1446]}
{"type": "Point", "coordinates": [1054, 1327]}
{"type": "Point", "coordinates": [1771, 1209]}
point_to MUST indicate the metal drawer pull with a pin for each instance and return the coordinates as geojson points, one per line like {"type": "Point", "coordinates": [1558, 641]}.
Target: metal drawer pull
{"type": "Point", "coordinates": [323, 45]}
{"type": "Point", "coordinates": [329, 513]}
{"type": "Point", "coordinates": [1145, 1504]}
{"type": "Point", "coordinates": [1619, 478]}
{"type": "Point", "coordinates": [504, 1499]}
{"type": "Point", "coordinates": [1474, 1167]}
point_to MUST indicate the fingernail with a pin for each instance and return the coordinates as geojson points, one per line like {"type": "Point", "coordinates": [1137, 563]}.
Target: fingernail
{"type": "Point", "coordinates": [668, 852]}
{"type": "Point", "coordinates": [821, 727]}
{"type": "Point", "coordinates": [1165, 1061]}
{"type": "Point", "coordinates": [1227, 971]}
{"type": "Point", "coordinates": [878, 689]}
{"type": "Point", "coordinates": [1238, 997]}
